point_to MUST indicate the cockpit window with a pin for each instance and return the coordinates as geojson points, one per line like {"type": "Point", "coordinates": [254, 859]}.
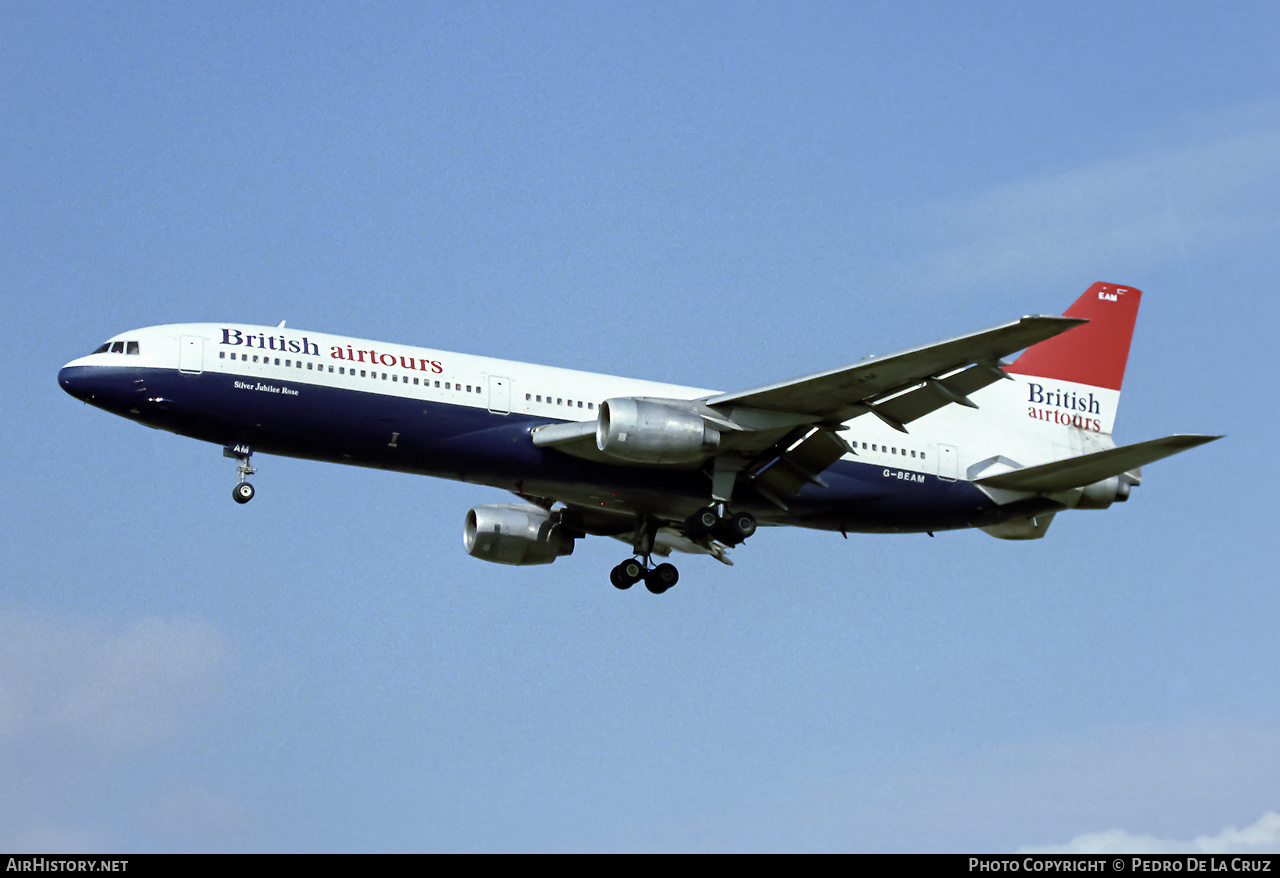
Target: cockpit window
{"type": "Point", "coordinates": [119, 347]}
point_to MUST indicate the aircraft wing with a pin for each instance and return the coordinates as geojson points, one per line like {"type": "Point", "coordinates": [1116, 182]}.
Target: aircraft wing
{"type": "Point", "coordinates": [784, 435]}
{"type": "Point", "coordinates": [1077, 472]}
{"type": "Point", "coordinates": [904, 386]}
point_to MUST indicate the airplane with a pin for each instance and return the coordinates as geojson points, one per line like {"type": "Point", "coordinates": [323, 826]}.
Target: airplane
{"type": "Point", "coordinates": [939, 437]}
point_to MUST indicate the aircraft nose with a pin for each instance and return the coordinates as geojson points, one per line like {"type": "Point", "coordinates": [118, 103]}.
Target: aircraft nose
{"type": "Point", "coordinates": [75, 381]}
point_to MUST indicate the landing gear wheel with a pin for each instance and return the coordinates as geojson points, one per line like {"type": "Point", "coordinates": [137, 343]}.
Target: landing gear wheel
{"type": "Point", "coordinates": [739, 525]}
{"type": "Point", "coordinates": [661, 578]}
{"type": "Point", "coordinates": [243, 492]}
{"type": "Point", "coordinates": [702, 523]}
{"type": "Point", "coordinates": [619, 580]}
{"type": "Point", "coordinates": [626, 574]}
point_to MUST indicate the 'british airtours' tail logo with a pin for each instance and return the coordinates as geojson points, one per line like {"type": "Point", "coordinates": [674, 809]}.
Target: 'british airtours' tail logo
{"type": "Point", "coordinates": [1068, 408]}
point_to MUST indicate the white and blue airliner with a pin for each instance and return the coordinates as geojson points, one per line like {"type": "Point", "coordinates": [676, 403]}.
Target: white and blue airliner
{"type": "Point", "coordinates": [939, 437]}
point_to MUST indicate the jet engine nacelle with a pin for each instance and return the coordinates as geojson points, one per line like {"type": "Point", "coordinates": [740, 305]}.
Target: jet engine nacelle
{"type": "Point", "coordinates": [508, 533]}
{"type": "Point", "coordinates": [1102, 494]}
{"type": "Point", "coordinates": [647, 431]}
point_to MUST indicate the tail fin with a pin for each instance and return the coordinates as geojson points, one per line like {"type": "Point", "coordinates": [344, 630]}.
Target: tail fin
{"type": "Point", "coordinates": [1094, 354]}
{"type": "Point", "coordinates": [1083, 369]}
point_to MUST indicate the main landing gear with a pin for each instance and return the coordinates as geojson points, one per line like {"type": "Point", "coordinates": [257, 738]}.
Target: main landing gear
{"type": "Point", "coordinates": [657, 579]}
{"type": "Point", "coordinates": [631, 571]}
{"type": "Point", "coordinates": [712, 522]}
{"type": "Point", "coordinates": [240, 452]}
{"type": "Point", "coordinates": [718, 522]}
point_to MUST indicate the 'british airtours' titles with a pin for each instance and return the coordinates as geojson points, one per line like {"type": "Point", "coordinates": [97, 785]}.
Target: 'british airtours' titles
{"type": "Point", "coordinates": [237, 338]}
{"type": "Point", "coordinates": [1078, 407]}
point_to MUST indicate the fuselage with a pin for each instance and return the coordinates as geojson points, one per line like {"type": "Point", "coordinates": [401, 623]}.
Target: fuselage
{"type": "Point", "coordinates": [470, 418]}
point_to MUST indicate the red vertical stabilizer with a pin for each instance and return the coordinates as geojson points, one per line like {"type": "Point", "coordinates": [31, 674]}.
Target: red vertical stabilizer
{"type": "Point", "coordinates": [1094, 353]}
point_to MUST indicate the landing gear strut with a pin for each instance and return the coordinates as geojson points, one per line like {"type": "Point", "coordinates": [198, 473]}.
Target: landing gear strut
{"type": "Point", "coordinates": [240, 452]}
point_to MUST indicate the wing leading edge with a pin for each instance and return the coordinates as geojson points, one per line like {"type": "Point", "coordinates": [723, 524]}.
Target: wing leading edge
{"type": "Point", "coordinates": [903, 386]}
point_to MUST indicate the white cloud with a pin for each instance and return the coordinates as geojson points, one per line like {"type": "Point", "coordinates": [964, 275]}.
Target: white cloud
{"type": "Point", "coordinates": [106, 683]}
{"type": "Point", "coordinates": [1153, 207]}
{"type": "Point", "coordinates": [1262, 837]}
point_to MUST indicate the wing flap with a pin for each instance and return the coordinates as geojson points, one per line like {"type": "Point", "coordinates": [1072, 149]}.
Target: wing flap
{"type": "Point", "coordinates": [795, 462]}
{"type": "Point", "coordinates": [935, 393]}
{"type": "Point", "coordinates": [1077, 472]}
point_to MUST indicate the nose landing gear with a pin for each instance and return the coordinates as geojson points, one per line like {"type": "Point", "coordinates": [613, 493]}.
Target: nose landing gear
{"type": "Point", "coordinates": [240, 452]}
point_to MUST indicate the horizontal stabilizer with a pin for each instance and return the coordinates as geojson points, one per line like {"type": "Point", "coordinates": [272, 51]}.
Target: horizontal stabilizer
{"type": "Point", "coordinates": [1076, 472]}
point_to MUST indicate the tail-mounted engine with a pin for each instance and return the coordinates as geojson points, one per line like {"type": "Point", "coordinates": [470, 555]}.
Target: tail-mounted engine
{"type": "Point", "coordinates": [509, 533]}
{"type": "Point", "coordinates": [647, 431]}
{"type": "Point", "coordinates": [1102, 494]}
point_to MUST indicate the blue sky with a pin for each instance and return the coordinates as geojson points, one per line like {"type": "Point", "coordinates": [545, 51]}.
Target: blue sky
{"type": "Point", "coordinates": [721, 195]}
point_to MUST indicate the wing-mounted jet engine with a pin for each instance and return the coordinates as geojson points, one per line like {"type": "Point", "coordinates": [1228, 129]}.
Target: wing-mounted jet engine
{"type": "Point", "coordinates": [510, 533]}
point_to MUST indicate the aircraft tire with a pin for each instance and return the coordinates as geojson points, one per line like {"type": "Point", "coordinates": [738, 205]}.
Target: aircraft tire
{"type": "Point", "coordinates": [242, 493]}
{"type": "Point", "coordinates": [627, 574]}
{"type": "Point", "coordinates": [661, 578]}
{"type": "Point", "coordinates": [701, 524]}
{"type": "Point", "coordinates": [619, 579]}
{"type": "Point", "coordinates": [736, 527]}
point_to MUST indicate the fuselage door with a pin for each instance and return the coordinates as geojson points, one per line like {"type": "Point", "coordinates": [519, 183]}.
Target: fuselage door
{"type": "Point", "coordinates": [191, 354]}
{"type": "Point", "coordinates": [499, 395]}
{"type": "Point", "coordinates": [948, 466]}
